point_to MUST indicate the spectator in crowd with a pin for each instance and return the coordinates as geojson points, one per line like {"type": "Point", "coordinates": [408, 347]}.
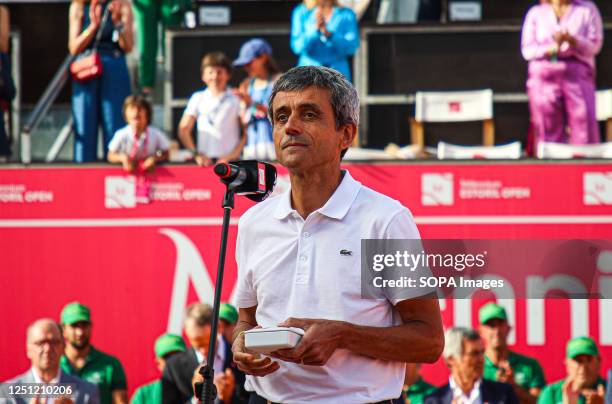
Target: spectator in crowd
{"type": "Point", "coordinates": [323, 34]}
{"type": "Point", "coordinates": [166, 346]}
{"type": "Point", "coordinates": [560, 40]}
{"type": "Point", "coordinates": [524, 374]}
{"type": "Point", "coordinates": [44, 345]}
{"type": "Point", "coordinates": [256, 58]}
{"type": "Point", "coordinates": [464, 354]}
{"type": "Point", "coordinates": [138, 146]}
{"type": "Point", "coordinates": [7, 86]}
{"type": "Point", "coordinates": [415, 388]}
{"type": "Point", "coordinates": [582, 383]}
{"type": "Point", "coordinates": [83, 360]}
{"type": "Point", "coordinates": [98, 101]}
{"type": "Point", "coordinates": [179, 371]}
{"type": "Point", "coordinates": [148, 15]}
{"type": "Point", "coordinates": [216, 111]}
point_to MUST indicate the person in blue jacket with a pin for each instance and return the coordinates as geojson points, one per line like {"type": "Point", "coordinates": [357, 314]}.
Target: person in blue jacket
{"type": "Point", "coordinates": [324, 34]}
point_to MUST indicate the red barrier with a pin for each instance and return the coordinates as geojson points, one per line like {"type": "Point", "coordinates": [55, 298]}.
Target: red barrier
{"type": "Point", "coordinates": [79, 234]}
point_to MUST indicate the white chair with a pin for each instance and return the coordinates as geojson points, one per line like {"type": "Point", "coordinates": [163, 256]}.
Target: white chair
{"type": "Point", "coordinates": [551, 150]}
{"type": "Point", "coordinates": [358, 153]}
{"type": "Point", "coordinates": [453, 106]}
{"type": "Point", "coordinates": [603, 109]}
{"type": "Point", "coordinates": [452, 151]}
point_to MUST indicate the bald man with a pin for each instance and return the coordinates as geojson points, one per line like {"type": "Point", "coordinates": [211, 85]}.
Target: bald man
{"type": "Point", "coordinates": [44, 347]}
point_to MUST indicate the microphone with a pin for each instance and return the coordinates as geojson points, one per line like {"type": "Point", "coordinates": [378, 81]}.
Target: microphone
{"type": "Point", "coordinates": [251, 178]}
{"type": "Point", "coordinates": [228, 172]}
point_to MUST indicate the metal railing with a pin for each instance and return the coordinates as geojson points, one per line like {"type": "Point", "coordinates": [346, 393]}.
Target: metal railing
{"type": "Point", "coordinates": [53, 89]}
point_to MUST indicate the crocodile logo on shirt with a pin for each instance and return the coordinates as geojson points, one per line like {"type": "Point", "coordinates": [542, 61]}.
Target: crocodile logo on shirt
{"type": "Point", "coordinates": [346, 252]}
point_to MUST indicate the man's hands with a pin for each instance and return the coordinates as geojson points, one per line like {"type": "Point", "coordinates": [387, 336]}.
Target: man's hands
{"type": "Point", "coordinates": [225, 383]}
{"type": "Point", "coordinates": [505, 373]}
{"type": "Point", "coordinates": [563, 36]}
{"type": "Point", "coordinates": [251, 363]}
{"type": "Point", "coordinates": [320, 340]}
{"type": "Point", "coordinates": [594, 396]}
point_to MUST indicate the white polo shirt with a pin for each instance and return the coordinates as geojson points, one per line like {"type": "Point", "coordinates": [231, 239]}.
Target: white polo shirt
{"type": "Point", "coordinates": [290, 267]}
{"type": "Point", "coordinates": [217, 121]}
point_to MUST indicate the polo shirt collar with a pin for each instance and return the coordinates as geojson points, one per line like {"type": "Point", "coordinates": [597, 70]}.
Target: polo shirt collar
{"type": "Point", "coordinates": [336, 207]}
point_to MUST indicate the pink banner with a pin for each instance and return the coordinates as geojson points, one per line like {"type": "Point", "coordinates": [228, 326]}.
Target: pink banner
{"type": "Point", "coordinates": [80, 234]}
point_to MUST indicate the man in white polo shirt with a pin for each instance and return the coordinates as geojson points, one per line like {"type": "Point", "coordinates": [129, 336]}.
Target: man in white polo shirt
{"type": "Point", "coordinates": [299, 255]}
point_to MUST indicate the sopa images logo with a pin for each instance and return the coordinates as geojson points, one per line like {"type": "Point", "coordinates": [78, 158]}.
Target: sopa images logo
{"type": "Point", "coordinates": [597, 188]}
{"type": "Point", "coordinates": [120, 192]}
{"type": "Point", "coordinates": [437, 189]}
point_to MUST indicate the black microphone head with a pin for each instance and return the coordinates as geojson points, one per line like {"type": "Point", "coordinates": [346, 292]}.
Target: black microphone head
{"type": "Point", "coordinates": [270, 182]}
{"type": "Point", "coordinates": [222, 169]}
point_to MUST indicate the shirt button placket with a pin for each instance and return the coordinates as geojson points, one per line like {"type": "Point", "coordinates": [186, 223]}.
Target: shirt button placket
{"type": "Point", "coordinates": [302, 274]}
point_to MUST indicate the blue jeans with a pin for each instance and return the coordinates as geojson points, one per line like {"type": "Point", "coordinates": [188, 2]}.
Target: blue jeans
{"type": "Point", "coordinates": [99, 102]}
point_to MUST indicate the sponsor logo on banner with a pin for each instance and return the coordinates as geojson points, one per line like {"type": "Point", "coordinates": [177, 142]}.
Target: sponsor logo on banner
{"type": "Point", "coordinates": [491, 189]}
{"type": "Point", "coordinates": [597, 188]}
{"type": "Point", "coordinates": [19, 193]}
{"type": "Point", "coordinates": [437, 189]}
{"type": "Point", "coordinates": [120, 192]}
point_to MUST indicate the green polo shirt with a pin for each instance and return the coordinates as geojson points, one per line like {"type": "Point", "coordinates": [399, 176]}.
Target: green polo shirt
{"type": "Point", "coordinates": [103, 370]}
{"type": "Point", "coordinates": [148, 394]}
{"type": "Point", "coordinates": [416, 393]}
{"type": "Point", "coordinates": [527, 371]}
{"type": "Point", "coordinates": [553, 393]}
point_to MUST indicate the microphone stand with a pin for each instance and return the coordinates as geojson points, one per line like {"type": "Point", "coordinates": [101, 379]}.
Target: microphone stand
{"type": "Point", "coordinates": [209, 391]}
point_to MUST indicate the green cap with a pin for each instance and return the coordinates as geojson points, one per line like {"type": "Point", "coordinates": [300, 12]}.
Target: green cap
{"type": "Point", "coordinates": [228, 312]}
{"type": "Point", "coordinates": [492, 311]}
{"type": "Point", "coordinates": [75, 312]}
{"type": "Point", "coordinates": [581, 346]}
{"type": "Point", "coordinates": [168, 343]}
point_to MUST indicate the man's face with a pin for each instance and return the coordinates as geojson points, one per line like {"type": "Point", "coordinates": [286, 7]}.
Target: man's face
{"type": "Point", "coordinates": [257, 66]}
{"type": "Point", "coordinates": [45, 347]}
{"type": "Point", "coordinates": [78, 334]}
{"type": "Point", "coordinates": [198, 335]}
{"type": "Point", "coordinates": [305, 134]}
{"type": "Point", "coordinates": [471, 364]}
{"type": "Point", "coordinates": [215, 77]}
{"type": "Point", "coordinates": [495, 333]}
{"type": "Point", "coordinates": [584, 370]}
{"type": "Point", "coordinates": [136, 118]}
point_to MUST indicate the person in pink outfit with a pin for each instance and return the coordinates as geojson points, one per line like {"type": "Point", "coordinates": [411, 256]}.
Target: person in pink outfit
{"type": "Point", "coordinates": [560, 40]}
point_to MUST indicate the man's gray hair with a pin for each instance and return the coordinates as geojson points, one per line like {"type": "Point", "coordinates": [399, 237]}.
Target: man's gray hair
{"type": "Point", "coordinates": [343, 96]}
{"type": "Point", "coordinates": [453, 344]}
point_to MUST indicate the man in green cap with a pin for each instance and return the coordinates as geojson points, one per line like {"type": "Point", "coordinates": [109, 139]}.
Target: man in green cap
{"type": "Point", "coordinates": [582, 383]}
{"type": "Point", "coordinates": [501, 364]}
{"type": "Point", "coordinates": [83, 360]}
{"type": "Point", "coordinates": [166, 346]}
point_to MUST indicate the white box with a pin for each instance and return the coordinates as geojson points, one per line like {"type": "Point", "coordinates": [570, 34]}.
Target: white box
{"type": "Point", "coordinates": [266, 340]}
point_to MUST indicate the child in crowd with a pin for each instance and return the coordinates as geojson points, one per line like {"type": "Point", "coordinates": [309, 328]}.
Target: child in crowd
{"type": "Point", "coordinates": [216, 110]}
{"type": "Point", "coordinates": [138, 146]}
{"type": "Point", "coordinates": [256, 59]}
